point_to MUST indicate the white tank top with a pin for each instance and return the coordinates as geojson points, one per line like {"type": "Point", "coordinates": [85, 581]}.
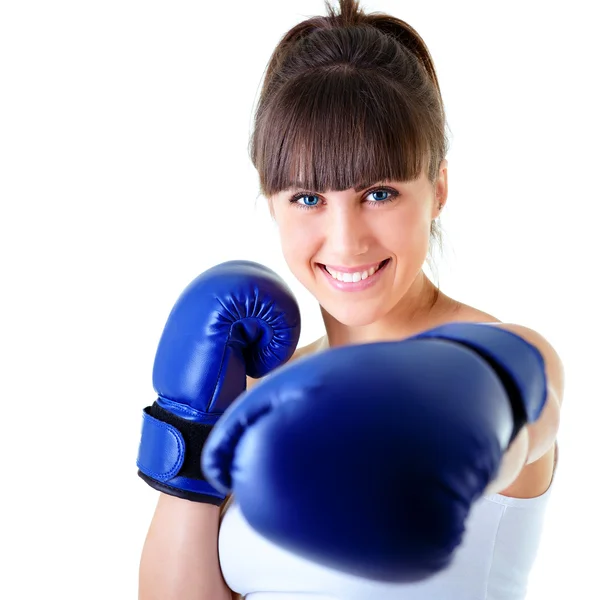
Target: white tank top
{"type": "Point", "coordinates": [493, 563]}
{"type": "Point", "coordinates": [499, 547]}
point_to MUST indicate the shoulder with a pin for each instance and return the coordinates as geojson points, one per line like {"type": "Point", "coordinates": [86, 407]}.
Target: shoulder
{"type": "Point", "coordinates": [553, 363]}
{"type": "Point", "coordinates": [555, 373]}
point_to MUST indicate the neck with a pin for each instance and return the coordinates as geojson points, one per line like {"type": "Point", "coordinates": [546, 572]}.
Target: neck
{"type": "Point", "coordinates": [413, 314]}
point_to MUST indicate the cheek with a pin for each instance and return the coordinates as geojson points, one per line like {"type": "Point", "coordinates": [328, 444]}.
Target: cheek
{"type": "Point", "coordinates": [298, 243]}
{"type": "Point", "coordinates": [406, 233]}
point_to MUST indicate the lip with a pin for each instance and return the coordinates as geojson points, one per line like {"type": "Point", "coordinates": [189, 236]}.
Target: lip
{"type": "Point", "coordinates": [354, 269]}
{"type": "Point", "coordinates": [358, 286]}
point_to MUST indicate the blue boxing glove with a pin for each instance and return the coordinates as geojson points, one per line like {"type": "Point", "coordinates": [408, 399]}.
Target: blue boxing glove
{"type": "Point", "coordinates": [236, 319]}
{"type": "Point", "coordinates": [367, 458]}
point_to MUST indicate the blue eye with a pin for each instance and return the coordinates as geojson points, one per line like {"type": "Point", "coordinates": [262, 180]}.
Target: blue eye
{"type": "Point", "coordinates": [380, 192]}
{"type": "Point", "coordinates": [390, 195]}
{"type": "Point", "coordinates": [315, 198]}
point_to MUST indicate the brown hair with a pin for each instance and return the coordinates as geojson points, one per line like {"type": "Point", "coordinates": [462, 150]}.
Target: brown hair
{"type": "Point", "coordinates": [347, 100]}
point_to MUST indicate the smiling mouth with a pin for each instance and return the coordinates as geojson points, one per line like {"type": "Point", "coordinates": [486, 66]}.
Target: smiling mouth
{"type": "Point", "coordinates": [356, 276]}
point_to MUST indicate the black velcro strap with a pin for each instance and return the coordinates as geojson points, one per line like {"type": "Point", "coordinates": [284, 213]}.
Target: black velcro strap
{"type": "Point", "coordinates": [194, 435]}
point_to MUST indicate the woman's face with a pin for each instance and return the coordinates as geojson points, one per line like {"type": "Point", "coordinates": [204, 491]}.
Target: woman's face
{"type": "Point", "coordinates": [358, 252]}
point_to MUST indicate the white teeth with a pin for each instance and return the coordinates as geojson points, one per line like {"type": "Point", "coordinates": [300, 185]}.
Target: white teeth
{"type": "Point", "coordinates": [351, 277]}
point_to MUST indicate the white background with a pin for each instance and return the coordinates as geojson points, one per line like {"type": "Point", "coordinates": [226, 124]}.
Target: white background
{"type": "Point", "coordinates": [124, 173]}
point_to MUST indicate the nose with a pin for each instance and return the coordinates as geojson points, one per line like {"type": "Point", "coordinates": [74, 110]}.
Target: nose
{"type": "Point", "coordinates": [347, 232]}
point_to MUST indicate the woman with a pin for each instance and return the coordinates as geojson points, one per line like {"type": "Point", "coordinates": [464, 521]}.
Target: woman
{"type": "Point", "coordinates": [357, 208]}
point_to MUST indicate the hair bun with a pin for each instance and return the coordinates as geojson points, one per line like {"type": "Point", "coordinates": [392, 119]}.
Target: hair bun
{"type": "Point", "coordinates": [350, 13]}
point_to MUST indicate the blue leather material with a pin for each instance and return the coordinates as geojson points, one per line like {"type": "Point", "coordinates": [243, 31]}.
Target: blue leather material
{"type": "Point", "coordinates": [523, 361]}
{"type": "Point", "coordinates": [236, 319]}
{"type": "Point", "coordinates": [367, 458]}
{"type": "Point", "coordinates": [191, 413]}
{"type": "Point", "coordinates": [162, 449]}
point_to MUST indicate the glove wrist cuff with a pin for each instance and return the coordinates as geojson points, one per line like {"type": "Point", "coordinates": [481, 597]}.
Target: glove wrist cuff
{"type": "Point", "coordinates": [209, 496]}
{"type": "Point", "coordinates": [169, 455]}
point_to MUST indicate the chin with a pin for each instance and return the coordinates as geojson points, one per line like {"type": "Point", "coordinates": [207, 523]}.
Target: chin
{"type": "Point", "coordinates": [350, 315]}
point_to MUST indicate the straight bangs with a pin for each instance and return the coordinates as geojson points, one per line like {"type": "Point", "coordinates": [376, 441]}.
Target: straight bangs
{"type": "Point", "coordinates": [338, 128]}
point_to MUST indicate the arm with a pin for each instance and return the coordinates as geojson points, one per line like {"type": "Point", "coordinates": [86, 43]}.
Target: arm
{"type": "Point", "coordinates": [180, 556]}
{"type": "Point", "coordinates": [537, 438]}
{"type": "Point", "coordinates": [180, 559]}
{"type": "Point", "coordinates": [409, 433]}
{"type": "Point", "coordinates": [214, 337]}
{"type": "Point", "coordinates": [542, 433]}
